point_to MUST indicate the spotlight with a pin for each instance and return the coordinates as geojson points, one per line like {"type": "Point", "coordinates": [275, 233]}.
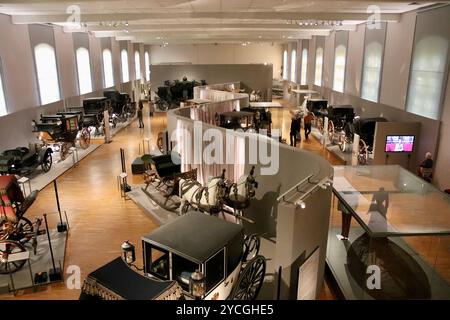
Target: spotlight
{"type": "Point", "coordinates": [126, 24]}
{"type": "Point", "coordinates": [301, 204]}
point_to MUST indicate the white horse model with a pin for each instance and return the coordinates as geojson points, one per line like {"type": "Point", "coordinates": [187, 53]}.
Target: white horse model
{"type": "Point", "coordinates": [219, 191]}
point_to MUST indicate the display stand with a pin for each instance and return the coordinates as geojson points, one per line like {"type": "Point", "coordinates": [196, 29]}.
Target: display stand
{"type": "Point", "coordinates": [325, 132]}
{"type": "Point", "coordinates": [22, 181]}
{"type": "Point", "coordinates": [75, 158]}
{"type": "Point", "coordinates": [355, 151]}
{"type": "Point", "coordinates": [62, 226]}
{"type": "Point", "coordinates": [17, 257]}
{"type": "Point", "coordinates": [107, 129]}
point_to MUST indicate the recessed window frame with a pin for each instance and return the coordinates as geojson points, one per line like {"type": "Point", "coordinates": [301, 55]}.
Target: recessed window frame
{"type": "Point", "coordinates": [106, 83]}
{"type": "Point", "coordinates": [137, 64]}
{"type": "Point", "coordinates": [38, 78]}
{"type": "Point", "coordinates": [318, 83]}
{"type": "Point", "coordinates": [124, 64]}
{"type": "Point", "coordinates": [89, 88]}
{"type": "Point", "coordinates": [304, 71]}
{"type": "Point", "coordinates": [335, 88]}
{"type": "Point", "coordinates": [3, 98]}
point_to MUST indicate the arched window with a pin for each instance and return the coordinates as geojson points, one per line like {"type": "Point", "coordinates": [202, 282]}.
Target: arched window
{"type": "Point", "coordinates": [47, 73]}
{"type": "Point", "coordinates": [3, 109]}
{"type": "Point", "coordinates": [304, 66]}
{"type": "Point", "coordinates": [84, 70]}
{"type": "Point", "coordinates": [319, 65]}
{"type": "Point", "coordinates": [372, 71]}
{"type": "Point", "coordinates": [124, 60]}
{"type": "Point", "coordinates": [285, 75]}
{"type": "Point", "coordinates": [427, 76]}
{"type": "Point", "coordinates": [147, 66]}
{"type": "Point", "coordinates": [339, 68]}
{"type": "Point", "coordinates": [108, 68]}
{"type": "Point", "coordinates": [293, 66]}
{"type": "Point", "coordinates": [137, 64]}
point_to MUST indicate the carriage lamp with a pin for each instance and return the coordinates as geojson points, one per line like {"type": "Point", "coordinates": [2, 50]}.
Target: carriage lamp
{"type": "Point", "coordinates": [128, 252]}
{"type": "Point", "coordinates": [197, 284]}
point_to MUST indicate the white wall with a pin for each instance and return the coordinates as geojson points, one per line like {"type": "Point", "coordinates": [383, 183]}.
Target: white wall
{"type": "Point", "coordinates": [219, 54]}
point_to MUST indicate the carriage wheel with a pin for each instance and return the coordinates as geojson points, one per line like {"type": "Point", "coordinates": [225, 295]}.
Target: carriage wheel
{"type": "Point", "coordinates": [363, 155]}
{"type": "Point", "coordinates": [8, 247]}
{"type": "Point", "coordinates": [26, 227]}
{"type": "Point", "coordinates": [320, 125]}
{"type": "Point", "coordinates": [331, 131]}
{"type": "Point", "coordinates": [47, 162]}
{"type": "Point", "coordinates": [250, 280]}
{"type": "Point", "coordinates": [85, 138]}
{"type": "Point", "coordinates": [251, 247]}
{"type": "Point", "coordinates": [64, 151]}
{"type": "Point", "coordinates": [160, 142]}
{"type": "Point", "coordinates": [342, 141]}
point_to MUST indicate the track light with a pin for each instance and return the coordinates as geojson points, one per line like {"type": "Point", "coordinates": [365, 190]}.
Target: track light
{"type": "Point", "coordinates": [301, 204]}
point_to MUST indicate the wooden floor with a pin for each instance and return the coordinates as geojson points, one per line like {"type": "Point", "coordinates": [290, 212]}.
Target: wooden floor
{"type": "Point", "coordinates": [101, 220]}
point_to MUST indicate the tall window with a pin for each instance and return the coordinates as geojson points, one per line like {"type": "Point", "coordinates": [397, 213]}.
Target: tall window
{"type": "Point", "coordinates": [285, 75]}
{"type": "Point", "coordinates": [293, 66]}
{"type": "Point", "coordinates": [147, 66]}
{"type": "Point", "coordinates": [427, 76]}
{"type": "Point", "coordinates": [319, 65]}
{"type": "Point", "coordinates": [304, 66]}
{"type": "Point", "coordinates": [3, 109]}
{"type": "Point", "coordinates": [137, 65]}
{"type": "Point", "coordinates": [339, 68]}
{"type": "Point", "coordinates": [84, 70]}
{"type": "Point", "coordinates": [372, 71]}
{"type": "Point", "coordinates": [124, 60]}
{"type": "Point", "coordinates": [47, 73]}
{"type": "Point", "coordinates": [108, 68]}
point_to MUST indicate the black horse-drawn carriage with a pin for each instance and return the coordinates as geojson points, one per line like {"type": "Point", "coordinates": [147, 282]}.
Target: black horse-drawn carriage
{"type": "Point", "coordinates": [235, 120]}
{"type": "Point", "coordinates": [174, 92]}
{"type": "Point", "coordinates": [24, 160]}
{"type": "Point", "coordinates": [365, 128]}
{"type": "Point", "coordinates": [16, 231]}
{"type": "Point", "coordinates": [61, 132]}
{"type": "Point", "coordinates": [262, 118]}
{"type": "Point", "coordinates": [338, 117]}
{"type": "Point", "coordinates": [122, 107]}
{"type": "Point", "coordinates": [93, 110]}
{"type": "Point", "coordinates": [195, 256]}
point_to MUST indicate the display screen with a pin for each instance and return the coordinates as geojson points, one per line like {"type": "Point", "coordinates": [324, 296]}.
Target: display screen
{"type": "Point", "coordinates": [399, 143]}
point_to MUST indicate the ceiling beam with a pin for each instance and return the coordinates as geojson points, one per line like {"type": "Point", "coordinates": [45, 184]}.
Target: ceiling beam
{"type": "Point", "coordinates": [88, 18]}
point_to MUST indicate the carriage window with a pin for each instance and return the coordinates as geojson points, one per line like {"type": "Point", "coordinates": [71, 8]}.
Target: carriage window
{"type": "Point", "coordinates": [158, 261]}
{"type": "Point", "coordinates": [147, 66]}
{"type": "Point", "coordinates": [3, 109]}
{"type": "Point", "coordinates": [427, 76]}
{"type": "Point", "coordinates": [137, 65]}
{"type": "Point", "coordinates": [285, 76]}
{"type": "Point", "coordinates": [215, 271]}
{"type": "Point", "coordinates": [124, 60]}
{"type": "Point", "coordinates": [339, 68]}
{"type": "Point", "coordinates": [84, 70]}
{"type": "Point", "coordinates": [304, 66]}
{"type": "Point", "coordinates": [319, 64]}
{"type": "Point", "coordinates": [47, 73]}
{"type": "Point", "coordinates": [108, 68]}
{"type": "Point", "coordinates": [182, 270]}
{"type": "Point", "coordinates": [372, 71]}
{"type": "Point", "coordinates": [71, 124]}
{"type": "Point", "coordinates": [293, 66]}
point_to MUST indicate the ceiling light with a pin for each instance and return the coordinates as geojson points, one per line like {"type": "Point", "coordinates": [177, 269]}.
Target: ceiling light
{"type": "Point", "coordinates": [301, 204]}
{"type": "Point", "coordinates": [260, 37]}
{"type": "Point", "coordinates": [126, 31]}
{"type": "Point", "coordinates": [126, 23]}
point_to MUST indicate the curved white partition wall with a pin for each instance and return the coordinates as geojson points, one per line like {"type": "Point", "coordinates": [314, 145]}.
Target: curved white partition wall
{"type": "Point", "coordinates": [291, 229]}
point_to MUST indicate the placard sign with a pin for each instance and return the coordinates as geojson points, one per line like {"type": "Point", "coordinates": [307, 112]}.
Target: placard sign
{"type": "Point", "coordinates": [307, 277]}
{"type": "Point", "coordinates": [325, 131]}
{"type": "Point", "coordinates": [107, 131]}
{"type": "Point", "coordinates": [355, 150]}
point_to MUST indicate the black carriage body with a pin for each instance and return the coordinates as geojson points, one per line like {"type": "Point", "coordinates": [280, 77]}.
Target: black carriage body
{"type": "Point", "coordinates": [340, 115]}
{"type": "Point", "coordinates": [237, 120]}
{"type": "Point", "coordinates": [57, 128]}
{"type": "Point", "coordinates": [23, 160]}
{"type": "Point", "coordinates": [118, 100]}
{"type": "Point", "coordinates": [365, 128]}
{"type": "Point", "coordinates": [262, 119]}
{"type": "Point", "coordinates": [94, 109]}
{"type": "Point", "coordinates": [194, 241]}
{"type": "Point", "coordinates": [316, 105]}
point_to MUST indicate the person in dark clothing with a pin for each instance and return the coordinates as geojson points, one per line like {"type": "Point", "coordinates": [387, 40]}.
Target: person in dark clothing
{"type": "Point", "coordinates": [139, 115]}
{"type": "Point", "coordinates": [295, 131]}
{"type": "Point", "coordinates": [425, 170]}
{"type": "Point", "coordinates": [307, 123]}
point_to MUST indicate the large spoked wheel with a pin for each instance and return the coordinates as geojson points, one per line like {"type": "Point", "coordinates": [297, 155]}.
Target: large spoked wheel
{"type": "Point", "coordinates": [250, 280]}
{"type": "Point", "coordinates": [25, 228]}
{"type": "Point", "coordinates": [331, 131]}
{"type": "Point", "coordinates": [343, 141]}
{"type": "Point", "coordinates": [160, 142]}
{"type": "Point", "coordinates": [85, 138]}
{"type": "Point", "coordinates": [46, 164]}
{"type": "Point", "coordinates": [363, 155]}
{"type": "Point", "coordinates": [320, 125]}
{"type": "Point", "coordinates": [8, 247]}
{"type": "Point", "coordinates": [251, 247]}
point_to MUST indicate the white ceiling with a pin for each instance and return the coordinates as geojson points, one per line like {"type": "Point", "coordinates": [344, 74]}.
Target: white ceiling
{"type": "Point", "coordinates": [205, 21]}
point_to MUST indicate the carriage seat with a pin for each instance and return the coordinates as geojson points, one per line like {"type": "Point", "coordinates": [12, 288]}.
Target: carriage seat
{"type": "Point", "coordinates": [164, 165]}
{"type": "Point", "coordinates": [20, 153]}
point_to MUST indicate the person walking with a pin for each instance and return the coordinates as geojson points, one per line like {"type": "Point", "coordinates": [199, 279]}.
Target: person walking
{"type": "Point", "coordinates": [139, 115]}
{"type": "Point", "coordinates": [295, 131]}
{"type": "Point", "coordinates": [307, 123]}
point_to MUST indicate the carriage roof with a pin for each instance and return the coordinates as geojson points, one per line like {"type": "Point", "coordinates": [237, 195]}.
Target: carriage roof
{"type": "Point", "coordinates": [96, 99]}
{"type": "Point", "coordinates": [237, 114]}
{"type": "Point", "coordinates": [195, 235]}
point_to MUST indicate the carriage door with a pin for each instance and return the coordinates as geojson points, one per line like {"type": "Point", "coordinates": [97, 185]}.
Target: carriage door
{"type": "Point", "coordinates": [215, 270]}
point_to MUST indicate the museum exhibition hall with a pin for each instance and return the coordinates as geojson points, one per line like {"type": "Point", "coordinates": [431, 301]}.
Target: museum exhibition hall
{"type": "Point", "coordinates": [224, 150]}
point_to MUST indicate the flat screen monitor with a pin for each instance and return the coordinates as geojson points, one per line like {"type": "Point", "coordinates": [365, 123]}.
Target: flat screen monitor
{"type": "Point", "coordinates": [399, 144]}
